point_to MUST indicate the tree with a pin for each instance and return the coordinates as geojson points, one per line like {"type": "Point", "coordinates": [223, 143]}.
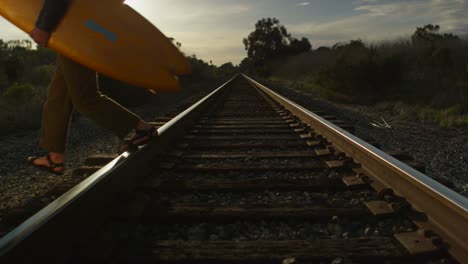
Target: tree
{"type": "Point", "coordinates": [227, 69]}
{"type": "Point", "coordinates": [245, 65]}
{"type": "Point", "coordinates": [323, 49]}
{"type": "Point", "coordinates": [269, 39]}
{"type": "Point", "coordinates": [268, 42]}
{"type": "Point", "coordinates": [429, 35]}
{"type": "Point", "coordinates": [299, 46]}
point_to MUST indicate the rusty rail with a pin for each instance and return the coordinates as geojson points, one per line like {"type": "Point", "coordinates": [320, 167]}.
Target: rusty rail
{"type": "Point", "coordinates": [446, 209]}
{"type": "Point", "coordinates": [85, 201]}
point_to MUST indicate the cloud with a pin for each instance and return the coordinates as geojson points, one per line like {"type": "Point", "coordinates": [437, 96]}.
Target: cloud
{"type": "Point", "coordinates": [207, 28]}
{"type": "Point", "coordinates": [217, 46]}
{"type": "Point", "coordinates": [358, 2]}
{"type": "Point", "coordinates": [452, 15]}
{"type": "Point", "coordinates": [202, 11]}
{"type": "Point", "coordinates": [11, 32]}
{"type": "Point", "coordinates": [378, 10]}
{"type": "Point", "coordinates": [384, 21]}
{"type": "Point", "coordinates": [213, 29]}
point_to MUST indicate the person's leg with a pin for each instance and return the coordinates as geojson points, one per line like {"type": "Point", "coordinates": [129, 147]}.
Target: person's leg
{"type": "Point", "coordinates": [55, 121]}
{"type": "Point", "coordinates": [86, 98]}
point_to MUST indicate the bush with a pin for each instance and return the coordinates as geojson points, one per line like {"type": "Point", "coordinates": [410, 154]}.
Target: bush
{"type": "Point", "coordinates": [20, 107]}
{"type": "Point", "coordinates": [3, 80]}
{"type": "Point", "coordinates": [41, 75]}
{"type": "Point", "coordinates": [433, 74]}
{"type": "Point", "coordinates": [18, 93]}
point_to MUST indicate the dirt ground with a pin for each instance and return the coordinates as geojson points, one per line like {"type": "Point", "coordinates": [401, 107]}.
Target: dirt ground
{"type": "Point", "coordinates": [19, 183]}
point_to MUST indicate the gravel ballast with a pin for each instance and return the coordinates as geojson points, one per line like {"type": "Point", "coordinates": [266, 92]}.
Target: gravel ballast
{"type": "Point", "coordinates": [443, 151]}
{"type": "Point", "coordinates": [334, 228]}
{"type": "Point", "coordinates": [20, 183]}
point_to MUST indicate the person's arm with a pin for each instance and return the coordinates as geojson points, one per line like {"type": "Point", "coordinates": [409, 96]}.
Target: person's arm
{"type": "Point", "coordinates": [51, 14]}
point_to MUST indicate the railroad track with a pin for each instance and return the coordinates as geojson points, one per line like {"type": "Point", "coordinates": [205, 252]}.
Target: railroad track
{"type": "Point", "coordinates": [246, 176]}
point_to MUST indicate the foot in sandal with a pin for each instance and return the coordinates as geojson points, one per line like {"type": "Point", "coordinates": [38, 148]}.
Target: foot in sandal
{"type": "Point", "coordinates": [52, 163]}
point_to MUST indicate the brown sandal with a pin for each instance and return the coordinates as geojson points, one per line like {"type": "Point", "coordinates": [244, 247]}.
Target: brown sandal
{"type": "Point", "coordinates": [50, 168]}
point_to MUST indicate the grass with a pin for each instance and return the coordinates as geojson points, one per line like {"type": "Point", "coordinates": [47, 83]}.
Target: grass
{"type": "Point", "coordinates": [411, 82]}
{"type": "Point", "coordinates": [449, 117]}
{"type": "Point", "coordinates": [308, 85]}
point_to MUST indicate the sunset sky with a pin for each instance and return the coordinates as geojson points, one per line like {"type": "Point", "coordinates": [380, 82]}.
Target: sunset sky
{"type": "Point", "coordinates": [214, 29]}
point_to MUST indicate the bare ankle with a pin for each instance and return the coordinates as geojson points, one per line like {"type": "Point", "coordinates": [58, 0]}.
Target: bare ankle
{"type": "Point", "coordinates": [57, 157]}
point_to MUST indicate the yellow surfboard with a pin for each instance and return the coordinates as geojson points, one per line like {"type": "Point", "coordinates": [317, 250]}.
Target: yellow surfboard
{"type": "Point", "coordinates": [109, 37]}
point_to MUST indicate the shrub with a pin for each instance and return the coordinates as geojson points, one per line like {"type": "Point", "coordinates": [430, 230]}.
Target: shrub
{"type": "Point", "coordinates": [20, 108]}
{"type": "Point", "coordinates": [449, 117]}
{"type": "Point", "coordinates": [428, 70]}
{"type": "Point", "coordinates": [18, 93]}
{"type": "Point", "coordinates": [41, 75]}
{"type": "Point", "coordinates": [3, 80]}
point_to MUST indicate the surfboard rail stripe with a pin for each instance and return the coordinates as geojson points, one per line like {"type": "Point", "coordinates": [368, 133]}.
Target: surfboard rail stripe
{"type": "Point", "coordinates": [93, 25]}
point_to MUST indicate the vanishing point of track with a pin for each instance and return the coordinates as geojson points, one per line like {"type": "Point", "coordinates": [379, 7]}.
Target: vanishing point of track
{"type": "Point", "coordinates": [247, 176]}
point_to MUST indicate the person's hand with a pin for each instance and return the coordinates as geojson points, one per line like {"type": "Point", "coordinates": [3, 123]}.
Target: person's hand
{"type": "Point", "coordinates": [40, 36]}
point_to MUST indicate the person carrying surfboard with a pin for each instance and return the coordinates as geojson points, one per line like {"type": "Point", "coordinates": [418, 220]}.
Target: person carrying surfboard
{"type": "Point", "coordinates": [75, 87]}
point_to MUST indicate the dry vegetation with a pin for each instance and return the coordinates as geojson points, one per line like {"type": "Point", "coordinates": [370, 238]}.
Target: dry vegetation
{"type": "Point", "coordinates": [425, 77]}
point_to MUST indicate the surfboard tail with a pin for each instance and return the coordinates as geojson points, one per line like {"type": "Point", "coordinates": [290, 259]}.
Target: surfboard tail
{"type": "Point", "coordinates": [184, 68]}
{"type": "Point", "coordinates": [163, 82]}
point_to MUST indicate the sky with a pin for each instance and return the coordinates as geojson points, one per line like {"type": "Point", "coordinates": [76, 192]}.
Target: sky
{"type": "Point", "coordinates": [213, 29]}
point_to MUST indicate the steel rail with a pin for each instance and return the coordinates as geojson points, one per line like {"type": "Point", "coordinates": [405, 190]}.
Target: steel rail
{"type": "Point", "coordinates": [447, 210]}
{"type": "Point", "coordinates": [94, 189]}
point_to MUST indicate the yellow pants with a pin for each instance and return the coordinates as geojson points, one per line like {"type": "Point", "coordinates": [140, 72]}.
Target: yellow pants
{"type": "Point", "coordinates": [75, 87]}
